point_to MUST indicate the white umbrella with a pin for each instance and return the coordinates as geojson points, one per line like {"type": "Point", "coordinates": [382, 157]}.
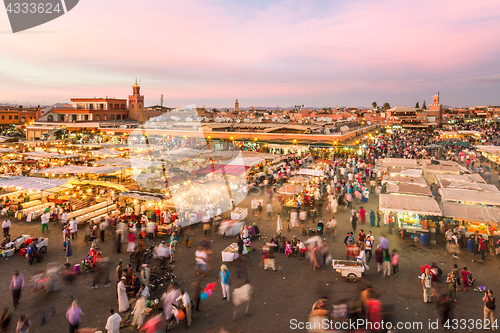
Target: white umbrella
{"type": "Point", "coordinates": [280, 226]}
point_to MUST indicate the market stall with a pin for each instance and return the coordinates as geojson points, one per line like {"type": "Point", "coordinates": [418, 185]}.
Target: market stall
{"type": "Point", "coordinates": [239, 213]}
{"type": "Point", "coordinates": [310, 172]}
{"type": "Point", "coordinates": [413, 214]}
{"type": "Point", "coordinates": [230, 253]}
{"type": "Point", "coordinates": [473, 218]}
{"type": "Point", "coordinates": [352, 270]}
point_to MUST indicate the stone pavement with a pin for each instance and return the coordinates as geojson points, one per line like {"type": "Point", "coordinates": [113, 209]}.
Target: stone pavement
{"type": "Point", "coordinates": [278, 296]}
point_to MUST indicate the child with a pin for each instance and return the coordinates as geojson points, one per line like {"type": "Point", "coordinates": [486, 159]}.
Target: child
{"type": "Point", "coordinates": [395, 262]}
{"type": "Point", "coordinates": [288, 249]}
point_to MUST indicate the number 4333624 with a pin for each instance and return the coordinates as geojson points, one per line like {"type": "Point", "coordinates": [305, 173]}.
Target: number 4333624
{"type": "Point", "coordinates": [40, 8]}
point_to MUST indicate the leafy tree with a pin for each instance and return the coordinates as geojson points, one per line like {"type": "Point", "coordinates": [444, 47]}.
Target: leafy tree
{"type": "Point", "coordinates": [386, 106]}
{"type": "Point", "coordinates": [214, 110]}
{"type": "Point", "coordinates": [424, 106]}
{"type": "Point", "coordinates": [417, 106]}
{"type": "Point", "coordinates": [374, 104]}
{"type": "Point", "coordinates": [20, 107]}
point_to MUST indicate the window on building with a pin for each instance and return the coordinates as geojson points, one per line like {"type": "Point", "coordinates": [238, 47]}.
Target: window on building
{"type": "Point", "coordinates": [16, 117]}
{"type": "Point", "coordinates": [131, 105]}
{"type": "Point", "coordinates": [61, 117]}
{"type": "Point", "coordinates": [10, 117]}
{"type": "Point", "coordinates": [112, 117]}
{"type": "Point", "coordinates": [118, 117]}
{"type": "Point", "coordinates": [101, 106]}
{"type": "Point", "coordinates": [124, 116]}
{"type": "Point", "coordinates": [50, 118]}
{"type": "Point", "coordinates": [110, 106]}
{"type": "Point", "coordinates": [116, 106]}
{"type": "Point", "coordinates": [86, 117]}
{"type": "Point", "coordinates": [104, 117]}
{"type": "Point", "coordinates": [74, 117]}
{"type": "Point", "coordinates": [3, 117]}
{"type": "Point", "coordinates": [91, 106]}
{"type": "Point", "coordinates": [31, 118]}
{"type": "Point", "coordinates": [97, 117]}
{"type": "Point", "coordinates": [123, 106]}
{"type": "Point", "coordinates": [80, 105]}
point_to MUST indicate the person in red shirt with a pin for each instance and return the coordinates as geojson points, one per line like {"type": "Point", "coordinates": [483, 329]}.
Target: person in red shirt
{"type": "Point", "coordinates": [482, 247]}
{"type": "Point", "coordinates": [361, 237]}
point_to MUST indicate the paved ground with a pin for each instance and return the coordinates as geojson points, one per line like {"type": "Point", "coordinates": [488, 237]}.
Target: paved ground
{"type": "Point", "coordinates": [279, 296]}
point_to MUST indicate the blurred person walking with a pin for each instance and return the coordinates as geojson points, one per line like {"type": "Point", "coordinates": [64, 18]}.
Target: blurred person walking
{"type": "Point", "coordinates": [16, 286]}
{"type": "Point", "coordinates": [73, 315]}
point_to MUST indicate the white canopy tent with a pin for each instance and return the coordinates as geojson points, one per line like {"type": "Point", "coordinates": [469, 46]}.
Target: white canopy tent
{"type": "Point", "coordinates": [245, 161]}
{"type": "Point", "coordinates": [41, 155]}
{"type": "Point", "coordinates": [31, 183]}
{"type": "Point", "coordinates": [475, 197]}
{"type": "Point", "coordinates": [471, 212]}
{"type": "Point", "coordinates": [107, 152]}
{"type": "Point", "coordinates": [129, 162]}
{"type": "Point", "coordinates": [404, 180]}
{"type": "Point", "coordinates": [185, 152]}
{"type": "Point", "coordinates": [310, 172]}
{"type": "Point", "coordinates": [145, 196]}
{"type": "Point", "coordinates": [288, 189]}
{"type": "Point", "coordinates": [471, 178]}
{"type": "Point", "coordinates": [77, 169]}
{"type": "Point", "coordinates": [409, 204]}
{"type": "Point", "coordinates": [409, 189]}
{"type": "Point", "coordinates": [399, 163]}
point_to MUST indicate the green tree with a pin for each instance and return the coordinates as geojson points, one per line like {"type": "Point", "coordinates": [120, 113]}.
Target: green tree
{"type": "Point", "coordinates": [20, 107]}
{"type": "Point", "coordinates": [424, 107]}
{"type": "Point", "coordinates": [374, 104]}
{"type": "Point", "coordinates": [386, 106]}
{"type": "Point", "coordinates": [417, 106]}
{"type": "Point", "coordinates": [214, 110]}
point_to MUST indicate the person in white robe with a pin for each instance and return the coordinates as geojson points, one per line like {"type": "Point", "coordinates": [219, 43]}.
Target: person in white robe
{"type": "Point", "coordinates": [113, 323]}
{"type": "Point", "coordinates": [294, 219]}
{"type": "Point", "coordinates": [123, 304]}
{"type": "Point", "coordinates": [140, 307]}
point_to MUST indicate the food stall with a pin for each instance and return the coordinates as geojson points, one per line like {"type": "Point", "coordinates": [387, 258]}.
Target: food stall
{"type": "Point", "coordinates": [352, 270]}
{"type": "Point", "coordinates": [474, 218]}
{"type": "Point", "coordinates": [239, 213]}
{"type": "Point", "coordinates": [230, 253]}
{"type": "Point", "coordinates": [412, 213]}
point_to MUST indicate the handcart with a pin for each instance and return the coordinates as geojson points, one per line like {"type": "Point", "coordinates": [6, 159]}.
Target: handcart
{"type": "Point", "coordinates": [352, 270]}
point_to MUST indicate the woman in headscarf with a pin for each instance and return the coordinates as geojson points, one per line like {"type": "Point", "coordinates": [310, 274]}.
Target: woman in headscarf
{"type": "Point", "coordinates": [372, 218]}
{"type": "Point", "coordinates": [354, 219]}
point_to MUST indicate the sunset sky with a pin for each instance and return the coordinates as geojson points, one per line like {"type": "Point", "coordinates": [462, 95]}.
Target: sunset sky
{"type": "Point", "coordinates": [265, 53]}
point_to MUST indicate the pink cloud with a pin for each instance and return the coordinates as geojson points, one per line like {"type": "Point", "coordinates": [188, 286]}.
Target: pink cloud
{"type": "Point", "coordinates": [198, 50]}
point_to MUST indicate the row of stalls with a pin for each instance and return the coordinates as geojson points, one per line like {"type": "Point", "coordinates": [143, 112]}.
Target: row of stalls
{"type": "Point", "coordinates": [444, 196]}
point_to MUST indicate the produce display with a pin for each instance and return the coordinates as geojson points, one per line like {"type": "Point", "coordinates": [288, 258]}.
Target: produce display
{"type": "Point", "coordinates": [233, 248]}
{"type": "Point", "coordinates": [480, 228]}
{"type": "Point", "coordinates": [347, 263]}
{"type": "Point", "coordinates": [238, 210]}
